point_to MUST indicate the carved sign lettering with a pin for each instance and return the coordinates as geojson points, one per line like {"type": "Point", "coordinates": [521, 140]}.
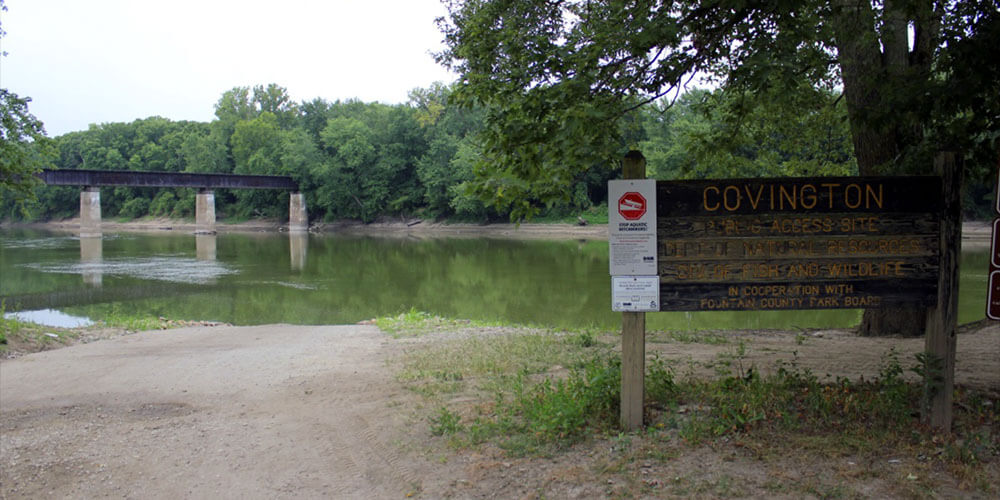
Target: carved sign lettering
{"type": "Point", "coordinates": [817, 243]}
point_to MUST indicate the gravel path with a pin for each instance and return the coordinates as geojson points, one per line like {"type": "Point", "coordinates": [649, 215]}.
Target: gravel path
{"type": "Point", "coordinates": [226, 412]}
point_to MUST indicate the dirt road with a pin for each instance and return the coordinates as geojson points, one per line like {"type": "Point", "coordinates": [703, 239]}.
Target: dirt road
{"type": "Point", "coordinates": [251, 412]}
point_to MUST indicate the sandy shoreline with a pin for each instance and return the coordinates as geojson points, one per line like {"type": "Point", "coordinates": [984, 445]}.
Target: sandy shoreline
{"type": "Point", "coordinates": [411, 227]}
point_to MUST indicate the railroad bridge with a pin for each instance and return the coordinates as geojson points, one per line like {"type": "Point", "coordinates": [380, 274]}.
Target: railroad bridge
{"type": "Point", "coordinates": [92, 180]}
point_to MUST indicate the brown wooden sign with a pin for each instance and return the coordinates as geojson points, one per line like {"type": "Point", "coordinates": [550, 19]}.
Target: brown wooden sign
{"type": "Point", "coordinates": [791, 243]}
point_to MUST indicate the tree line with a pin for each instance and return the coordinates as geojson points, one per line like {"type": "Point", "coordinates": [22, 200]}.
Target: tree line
{"type": "Point", "coordinates": [356, 160]}
{"type": "Point", "coordinates": [366, 161]}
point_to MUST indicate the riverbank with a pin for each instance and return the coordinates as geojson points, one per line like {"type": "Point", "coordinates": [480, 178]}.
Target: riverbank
{"type": "Point", "coordinates": [402, 227]}
{"type": "Point", "coordinates": [974, 233]}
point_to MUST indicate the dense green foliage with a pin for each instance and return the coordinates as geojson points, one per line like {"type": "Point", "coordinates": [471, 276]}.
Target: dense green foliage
{"type": "Point", "coordinates": [24, 149]}
{"type": "Point", "coordinates": [352, 159]}
{"type": "Point", "coordinates": [561, 81]}
{"type": "Point", "coordinates": [364, 161]}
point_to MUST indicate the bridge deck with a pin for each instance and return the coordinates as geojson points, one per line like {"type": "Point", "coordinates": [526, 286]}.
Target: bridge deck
{"type": "Point", "coordinates": [165, 179]}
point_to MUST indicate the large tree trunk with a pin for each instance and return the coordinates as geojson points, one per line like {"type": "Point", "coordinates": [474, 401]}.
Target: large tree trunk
{"type": "Point", "coordinates": [874, 70]}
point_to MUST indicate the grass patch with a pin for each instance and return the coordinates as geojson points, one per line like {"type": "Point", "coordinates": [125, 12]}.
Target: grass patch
{"type": "Point", "coordinates": [116, 317]}
{"type": "Point", "coordinates": [535, 389]}
{"type": "Point", "coordinates": [492, 362]}
{"type": "Point", "coordinates": [545, 416]}
{"type": "Point", "coordinates": [793, 399]}
{"type": "Point", "coordinates": [536, 393]}
{"type": "Point", "coordinates": [414, 323]}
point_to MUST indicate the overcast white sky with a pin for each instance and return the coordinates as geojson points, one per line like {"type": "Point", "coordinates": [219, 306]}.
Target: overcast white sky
{"type": "Point", "coordinates": [98, 61]}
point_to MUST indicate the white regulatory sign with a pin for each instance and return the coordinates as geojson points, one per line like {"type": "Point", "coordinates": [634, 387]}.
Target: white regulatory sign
{"type": "Point", "coordinates": [632, 227]}
{"type": "Point", "coordinates": [635, 293]}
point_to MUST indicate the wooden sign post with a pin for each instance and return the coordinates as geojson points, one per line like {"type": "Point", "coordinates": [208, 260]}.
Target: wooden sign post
{"type": "Point", "coordinates": [942, 317]}
{"type": "Point", "coordinates": [633, 332]}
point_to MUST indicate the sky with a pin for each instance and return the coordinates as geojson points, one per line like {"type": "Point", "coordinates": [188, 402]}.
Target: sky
{"type": "Point", "coordinates": [100, 61]}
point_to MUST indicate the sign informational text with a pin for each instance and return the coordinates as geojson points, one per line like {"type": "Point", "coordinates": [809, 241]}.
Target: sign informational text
{"type": "Point", "coordinates": [798, 243]}
{"type": "Point", "coordinates": [632, 227]}
{"type": "Point", "coordinates": [635, 293]}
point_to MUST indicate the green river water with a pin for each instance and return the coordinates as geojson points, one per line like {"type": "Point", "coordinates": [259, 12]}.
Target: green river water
{"type": "Point", "coordinates": [251, 279]}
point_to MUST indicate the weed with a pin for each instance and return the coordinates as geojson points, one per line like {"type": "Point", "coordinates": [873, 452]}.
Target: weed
{"type": "Point", "coordinates": [622, 442]}
{"type": "Point", "coordinates": [828, 491]}
{"type": "Point", "coordinates": [116, 317]}
{"type": "Point", "coordinates": [930, 369]}
{"type": "Point", "coordinates": [533, 409]}
{"type": "Point", "coordinates": [974, 448]}
{"type": "Point", "coordinates": [536, 417]}
{"type": "Point", "coordinates": [445, 423]}
{"type": "Point", "coordinates": [732, 360]}
{"type": "Point", "coordinates": [584, 339]}
{"type": "Point", "coordinates": [410, 323]}
{"type": "Point", "coordinates": [660, 384]}
{"type": "Point", "coordinates": [6, 325]}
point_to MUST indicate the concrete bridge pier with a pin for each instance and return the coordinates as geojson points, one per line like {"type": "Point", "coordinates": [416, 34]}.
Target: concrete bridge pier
{"type": "Point", "coordinates": [298, 219]}
{"type": "Point", "coordinates": [90, 212]}
{"type": "Point", "coordinates": [204, 212]}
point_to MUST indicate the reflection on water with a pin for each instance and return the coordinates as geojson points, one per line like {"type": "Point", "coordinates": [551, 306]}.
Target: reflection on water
{"type": "Point", "coordinates": [49, 317]}
{"type": "Point", "coordinates": [298, 247]}
{"type": "Point", "coordinates": [205, 246]}
{"type": "Point", "coordinates": [38, 243]}
{"type": "Point", "coordinates": [172, 269]}
{"type": "Point", "coordinates": [91, 257]}
{"type": "Point", "coordinates": [249, 279]}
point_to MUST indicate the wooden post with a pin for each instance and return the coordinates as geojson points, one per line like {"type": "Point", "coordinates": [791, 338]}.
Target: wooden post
{"type": "Point", "coordinates": [633, 332]}
{"type": "Point", "coordinates": [942, 320]}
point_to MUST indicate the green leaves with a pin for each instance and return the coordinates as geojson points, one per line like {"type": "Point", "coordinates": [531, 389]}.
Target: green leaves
{"type": "Point", "coordinates": [560, 80]}
{"type": "Point", "coordinates": [24, 148]}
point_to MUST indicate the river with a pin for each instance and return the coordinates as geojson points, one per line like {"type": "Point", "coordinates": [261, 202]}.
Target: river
{"type": "Point", "coordinates": [262, 278]}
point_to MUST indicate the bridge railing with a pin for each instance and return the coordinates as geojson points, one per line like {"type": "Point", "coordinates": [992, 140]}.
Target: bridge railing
{"type": "Point", "coordinates": [165, 179]}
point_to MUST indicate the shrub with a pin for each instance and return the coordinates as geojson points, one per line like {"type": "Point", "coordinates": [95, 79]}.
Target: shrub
{"type": "Point", "coordinates": [134, 208]}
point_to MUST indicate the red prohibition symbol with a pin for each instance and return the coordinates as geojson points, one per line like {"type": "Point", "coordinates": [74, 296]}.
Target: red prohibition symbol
{"type": "Point", "coordinates": [632, 206]}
